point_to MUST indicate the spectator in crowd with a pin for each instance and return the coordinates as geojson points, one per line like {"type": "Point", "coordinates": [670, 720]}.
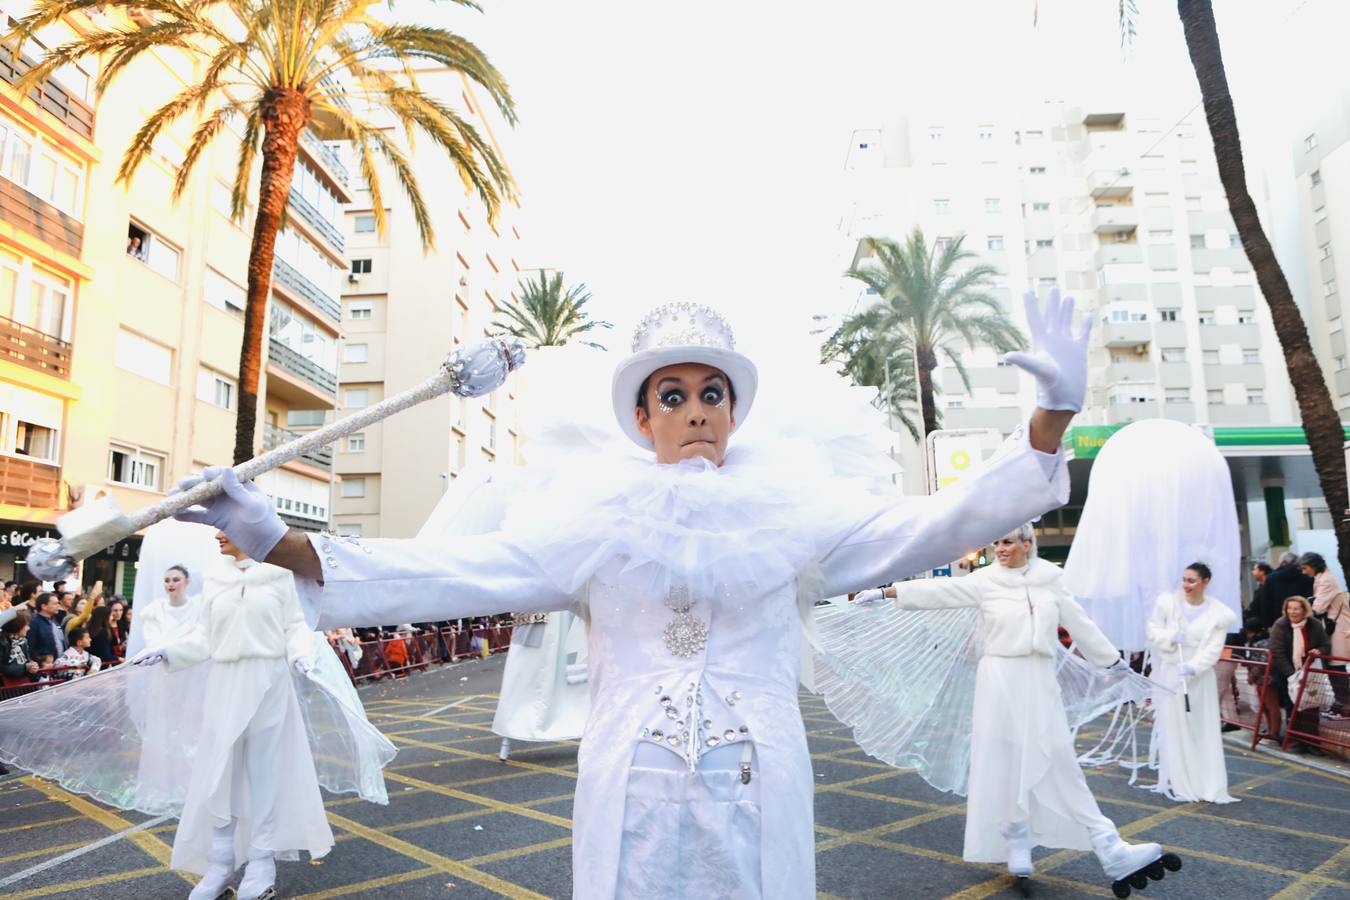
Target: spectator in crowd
{"type": "Point", "coordinates": [1329, 606]}
{"type": "Point", "coordinates": [45, 637]}
{"type": "Point", "coordinates": [134, 247]}
{"type": "Point", "coordinates": [15, 661]}
{"type": "Point", "coordinates": [84, 609]}
{"type": "Point", "coordinates": [27, 590]}
{"type": "Point", "coordinates": [77, 654]}
{"type": "Point", "coordinates": [101, 636]}
{"type": "Point", "coordinates": [1286, 581]}
{"type": "Point", "coordinates": [346, 644]}
{"type": "Point", "coordinates": [117, 620]}
{"type": "Point", "coordinates": [44, 663]}
{"type": "Point", "coordinates": [1292, 637]}
{"type": "Point", "coordinates": [1259, 572]}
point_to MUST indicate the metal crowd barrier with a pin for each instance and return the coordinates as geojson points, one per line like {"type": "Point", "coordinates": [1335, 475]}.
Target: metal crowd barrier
{"type": "Point", "coordinates": [1243, 674]}
{"type": "Point", "coordinates": [12, 686]}
{"type": "Point", "coordinates": [1322, 698]}
{"type": "Point", "coordinates": [395, 655]}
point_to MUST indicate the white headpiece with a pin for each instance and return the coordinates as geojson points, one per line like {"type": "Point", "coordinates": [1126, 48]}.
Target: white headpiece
{"type": "Point", "coordinates": [677, 333]}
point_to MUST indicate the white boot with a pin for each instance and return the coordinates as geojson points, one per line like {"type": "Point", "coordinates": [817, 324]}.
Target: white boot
{"type": "Point", "coordinates": [505, 752]}
{"type": "Point", "coordinates": [1018, 837]}
{"type": "Point", "coordinates": [219, 865]}
{"type": "Point", "coordinates": [1121, 860]}
{"type": "Point", "coordinates": [259, 876]}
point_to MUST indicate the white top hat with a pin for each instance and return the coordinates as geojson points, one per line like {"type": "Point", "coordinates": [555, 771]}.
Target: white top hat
{"type": "Point", "coordinates": [670, 335]}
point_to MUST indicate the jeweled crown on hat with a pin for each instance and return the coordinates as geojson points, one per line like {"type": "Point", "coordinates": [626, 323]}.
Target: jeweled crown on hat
{"type": "Point", "coordinates": [683, 324]}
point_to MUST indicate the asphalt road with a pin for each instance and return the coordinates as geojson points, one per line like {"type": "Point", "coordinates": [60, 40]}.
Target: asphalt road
{"type": "Point", "coordinates": [460, 824]}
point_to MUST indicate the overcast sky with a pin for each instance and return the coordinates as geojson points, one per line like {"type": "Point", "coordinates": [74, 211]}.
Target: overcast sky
{"type": "Point", "coordinates": [694, 150]}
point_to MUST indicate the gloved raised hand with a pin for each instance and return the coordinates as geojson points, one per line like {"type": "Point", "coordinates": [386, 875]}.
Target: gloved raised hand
{"type": "Point", "coordinates": [871, 595]}
{"type": "Point", "coordinates": [1058, 357]}
{"type": "Point", "coordinates": [1179, 637]}
{"type": "Point", "coordinates": [150, 656]}
{"type": "Point", "coordinates": [1186, 670]}
{"type": "Point", "coordinates": [242, 511]}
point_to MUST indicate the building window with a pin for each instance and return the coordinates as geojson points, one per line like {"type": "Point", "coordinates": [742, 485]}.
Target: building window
{"type": "Point", "coordinates": [943, 243]}
{"type": "Point", "coordinates": [1315, 177]}
{"type": "Point", "coordinates": [153, 250]}
{"type": "Point", "coordinates": [214, 388]}
{"type": "Point", "coordinates": [34, 441]}
{"type": "Point", "coordinates": [994, 242]}
{"type": "Point", "coordinates": [361, 267]}
{"type": "Point", "coordinates": [1251, 357]}
{"type": "Point", "coordinates": [41, 169]}
{"type": "Point", "coordinates": [1040, 206]}
{"type": "Point", "coordinates": [1046, 281]}
{"type": "Point", "coordinates": [1037, 170]}
{"type": "Point", "coordinates": [1320, 214]}
{"type": "Point", "coordinates": [987, 133]}
{"type": "Point", "coordinates": [352, 530]}
{"type": "Point", "coordinates": [221, 198]}
{"type": "Point", "coordinates": [356, 443]}
{"type": "Point", "coordinates": [1205, 318]}
{"type": "Point", "coordinates": [991, 204]}
{"type": "Point", "coordinates": [1235, 240]}
{"type": "Point", "coordinates": [1045, 243]}
{"type": "Point", "coordinates": [1167, 315]}
{"type": "Point", "coordinates": [222, 293]}
{"type": "Point", "coordinates": [1193, 203]}
{"type": "Point", "coordinates": [1329, 287]}
{"type": "Point", "coordinates": [1209, 357]}
{"type": "Point", "coordinates": [360, 311]}
{"type": "Point", "coordinates": [1336, 326]}
{"type": "Point", "coordinates": [1160, 236]}
{"type": "Point", "coordinates": [1326, 250]}
{"type": "Point", "coordinates": [1178, 395]}
{"type": "Point", "coordinates": [1174, 354]}
{"type": "Point", "coordinates": [935, 134]}
{"type": "Point", "coordinates": [353, 487]}
{"type": "Point", "coordinates": [133, 466]}
{"type": "Point", "coordinates": [1197, 242]}
{"type": "Point", "coordinates": [143, 357]}
{"type": "Point", "coordinates": [1246, 318]}
{"type": "Point", "coordinates": [356, 398]}
{"type": "Point", "coordinates": [364, 224]}
{"type": "Point", "coordinates": [1309, 143]}
{"type": "Point", "coordinates": [1340, 364]}
{"type": "Point", "coordinates": [942, 204]}
{"type": "Point", "coordinates": [304, 418]}
{"type": "Point", "coordinates": [1255, 398]}
{"type": "Point", "coordinates": [355, 353]}
{"type": "Point", "coordinates": [1214, 397]}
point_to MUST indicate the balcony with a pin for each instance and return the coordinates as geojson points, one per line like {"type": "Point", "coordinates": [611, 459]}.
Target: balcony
{"type": "Point", "coordinates": [1126, 334]}
{"type": "Point", "coordinates": [274, 436]}
{"type": "Point", "coordinates": [24, 482]}
{"type": "Point", "coordinates": [31, 214]}
{"type": "Point", "coordinates": [73, 113]}
{"type": "Point", "coordinates": [1110, 182]}
{"type": "Point", "coordinates": [315, 218]}
{"type": "Point", "coordinates": [286, 274]}
{"type": "Point", "coordinates": [326, 155]}
{"type": "Point", "coordinates": [1131, 373]}
{"type": "Point", "coordinates": [287, 360]}
{"type": "Point", "coordinates": [1115, 219]}
{"type": "Point", "coordinates": [1117, 254]}
{"type": "Point", "coordinates": [1234, 258]}
{"type": "Point", "coordinates": [34, 350]}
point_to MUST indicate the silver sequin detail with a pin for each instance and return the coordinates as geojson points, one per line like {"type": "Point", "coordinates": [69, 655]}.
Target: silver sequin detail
{"type": "Point", "coordinates": [729, 735]}
{"type": "Point", "coordinates": [686, 635]}
{"type": "Point", "coordinates": [673, 740]}
{"type": "Point", "coordinates": [658, 734]}
{"type": "Point", "coordinates": [713, 741]}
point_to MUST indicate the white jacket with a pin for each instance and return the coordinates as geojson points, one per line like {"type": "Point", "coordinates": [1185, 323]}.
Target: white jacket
{"type": "Point", "coordinates": [252, 612]}
{"type": "Point", "coordinates": [1204, 634]}
{"type": "Point", "coordinates": [1020, 612]}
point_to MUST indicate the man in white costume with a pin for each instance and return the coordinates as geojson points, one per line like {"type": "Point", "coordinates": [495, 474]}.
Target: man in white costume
{"type": "Point", "coordinates": [253, 790]}
{"type": "Point", "coordinates": [1026, 788]}
{"type": "Point", "coordinates": [544, 695]}
{"type": "Point", "coordinates": [691, 568]}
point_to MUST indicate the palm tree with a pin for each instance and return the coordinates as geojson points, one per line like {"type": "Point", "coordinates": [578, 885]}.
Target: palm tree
{"type": "Point", "coordinates": [276, 68]}
{"type": "Point", "coordinates": [885, 363]}
{"type": "Point", "coordinates": [927, 299]}
{"type": "Point", "coordinates": [547, 315]}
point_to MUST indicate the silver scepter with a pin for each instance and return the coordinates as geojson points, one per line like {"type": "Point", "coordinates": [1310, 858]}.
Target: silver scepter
{"type": "Point", "coordinates": [469, 372]}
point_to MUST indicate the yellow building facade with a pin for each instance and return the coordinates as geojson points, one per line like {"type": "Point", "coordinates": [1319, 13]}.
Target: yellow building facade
{"type": "Point", "coordinates": [121, 309]}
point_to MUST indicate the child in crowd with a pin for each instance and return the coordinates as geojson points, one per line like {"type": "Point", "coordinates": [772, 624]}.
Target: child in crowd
{"type": "Point", "coordinates": [77, 653]}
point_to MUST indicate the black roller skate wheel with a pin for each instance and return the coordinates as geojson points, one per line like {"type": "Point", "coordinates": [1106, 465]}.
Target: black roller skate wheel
{"type": "Point", "coordinates": [1139, 880]}
{"type": "Point", "coordinates": [1155, 870]}
{"type": "Point", "coordinates": [227, 894]}
{"type": "Point", "coordinates": [1171, 862]}
{"type": "Point", "coordinates": [1121, 889]}
{"type": "Point", "coordinates": [1024, 885]}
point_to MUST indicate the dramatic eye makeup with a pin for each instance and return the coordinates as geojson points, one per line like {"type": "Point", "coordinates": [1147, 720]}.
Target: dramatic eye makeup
{"type": "Point", "coordinates": [670, 394]}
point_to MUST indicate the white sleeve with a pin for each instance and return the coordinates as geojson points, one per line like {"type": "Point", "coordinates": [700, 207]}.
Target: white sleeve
{"type": "Point", "coordinates": [1014, 486]}
{"type": "Point", "coordinates": [389, 582]}
{"type": "Point", "coordinates": [938, 593]}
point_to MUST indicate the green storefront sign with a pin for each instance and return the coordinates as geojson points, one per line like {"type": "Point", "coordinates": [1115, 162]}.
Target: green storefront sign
{"type": "Point", "coordinates": [1085, 441]}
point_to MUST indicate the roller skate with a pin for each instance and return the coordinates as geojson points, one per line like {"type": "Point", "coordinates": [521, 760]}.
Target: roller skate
{"type": "Point", "coordinates": [215, 884]}
{"type": "Point", "coordinates": [1018, 837]}
{"type": "Point", "coordinates": [1131, 866]}
{"type": "Point", "coordinates": [505, 752]}
{"type": "Point", "coordinates": [260, 876]}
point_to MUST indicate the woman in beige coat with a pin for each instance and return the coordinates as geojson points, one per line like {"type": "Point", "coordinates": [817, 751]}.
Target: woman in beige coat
{"type": "Point", "coordinates": [1328, 600]}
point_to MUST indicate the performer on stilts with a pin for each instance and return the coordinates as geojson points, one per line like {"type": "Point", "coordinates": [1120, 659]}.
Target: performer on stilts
{"type": "Point", "coordinates": [1026, 788]}
{"type": "Point", "coordinates": [693, 566]}
{"type": "Point", "coordinates": [544, 694]}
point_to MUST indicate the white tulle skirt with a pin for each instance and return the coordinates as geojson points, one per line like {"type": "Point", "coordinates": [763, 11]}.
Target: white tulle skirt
{"type": "Point", "coordinates": [1187, 747]}
{"type": "Point", "coordinates": [254, 766]}
{"type": "Point", "coordinates": [1023, 766]}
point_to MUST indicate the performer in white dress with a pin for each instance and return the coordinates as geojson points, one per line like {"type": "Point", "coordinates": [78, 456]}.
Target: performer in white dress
{"type": "Point", "coordinates": [692, 569]}
{"type": "Point", "coordinates": [1186, 634]}
{"type": "Point", "coordinates": [1026, 788]}
{"type": "Point", "coordinates": [253, 791]}
{"type": "Point", "coordinates": [544, 694]}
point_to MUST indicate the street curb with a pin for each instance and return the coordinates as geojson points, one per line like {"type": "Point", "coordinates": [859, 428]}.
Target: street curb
{"type": "Point", "coordinates": [1300, 759]}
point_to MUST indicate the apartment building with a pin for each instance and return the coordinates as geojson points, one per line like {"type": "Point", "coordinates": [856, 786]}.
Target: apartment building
{"type": "Point", "coordinates": [1119, 206]}
{"type": "Point", "coordinates": [122, 309]}
{"type": "Point", "coordinates": [403, 311]}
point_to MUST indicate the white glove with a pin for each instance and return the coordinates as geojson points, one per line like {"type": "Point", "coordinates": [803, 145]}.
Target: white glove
{"type": "Point", "coordinates": [303, 665]}
{"type": "Point", "coordinates": [1058, 358]}
{"type": "Point", "coordinates": [243, 512]}
{"type": "Point", "coordinates": [150, 656]}
{"type": "Point", "coordinates": [1179, 637]}
{"type": "Point", "coordinates": [1186, 670]}
{"type": "Point", "coordinates": [871, 595]}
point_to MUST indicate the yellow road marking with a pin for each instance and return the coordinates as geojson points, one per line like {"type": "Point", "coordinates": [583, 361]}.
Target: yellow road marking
{"type": "Point", "coordinates": [83, 883]}
{"type": "Point", "coordinates": [372, 884]}
{"type": "Point", "coordinates": [160, 851]}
